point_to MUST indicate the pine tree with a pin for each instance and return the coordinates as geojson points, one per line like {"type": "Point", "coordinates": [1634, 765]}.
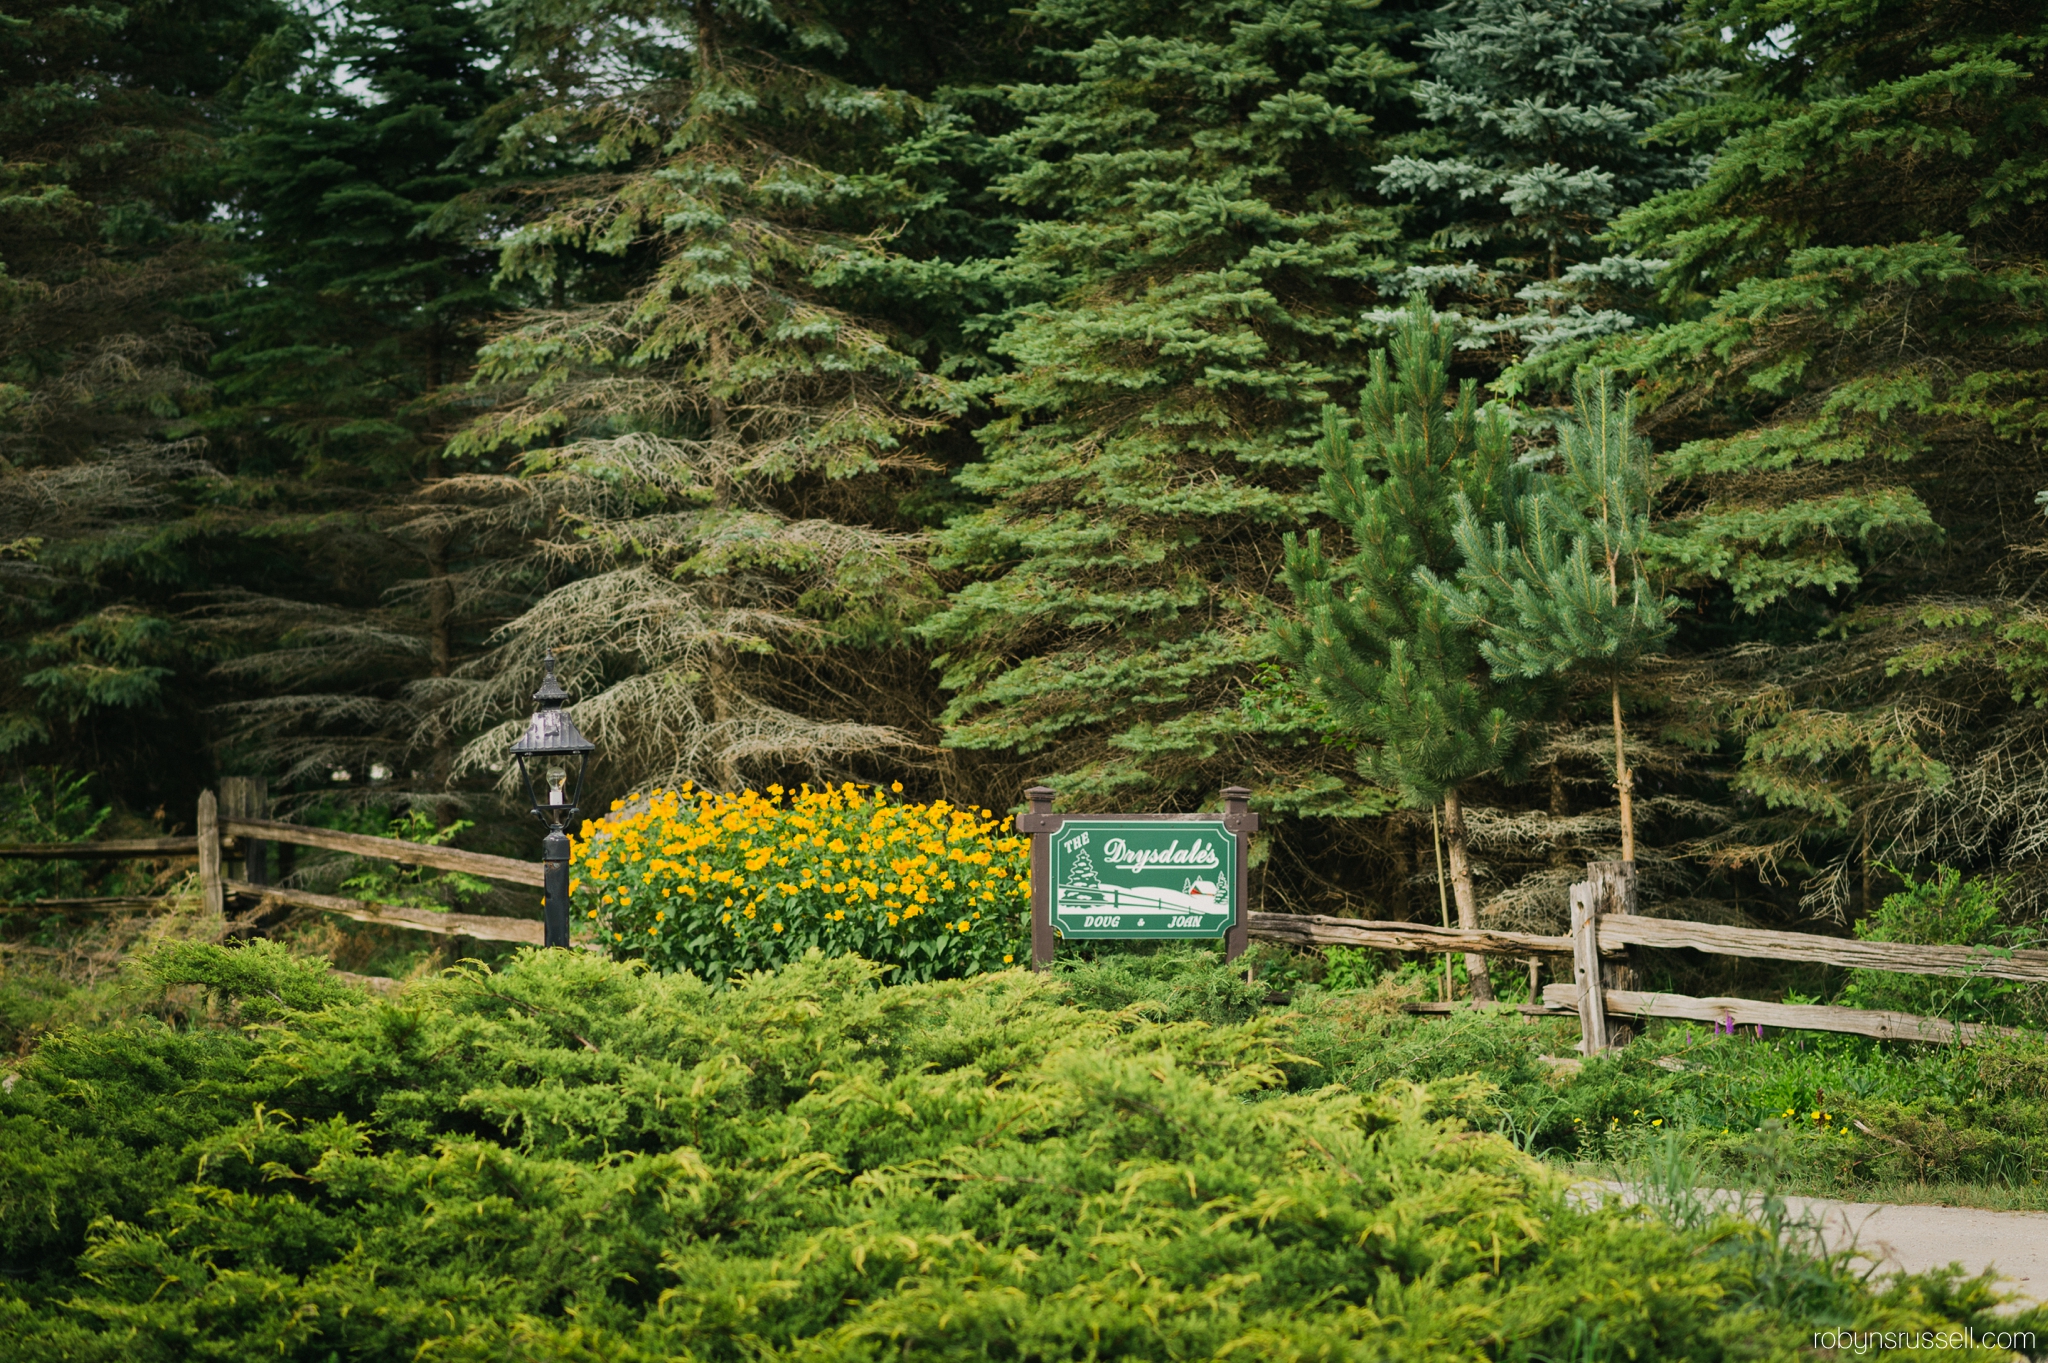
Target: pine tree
{"type": "Point", "coordinates": [1539, 114]}
{"type": "Point", "coordinates": [1855, 434]}
{"type": "Point", "coordinates": [1558, 585]}
{"type": "Point", "coordinates": [1198, 256]}
{"type": "Point", "coordinates": [1401, 675]}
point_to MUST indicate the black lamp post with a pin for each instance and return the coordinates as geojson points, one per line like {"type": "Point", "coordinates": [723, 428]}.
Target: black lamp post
{"type": "Point", "coordinates": [549, 753]}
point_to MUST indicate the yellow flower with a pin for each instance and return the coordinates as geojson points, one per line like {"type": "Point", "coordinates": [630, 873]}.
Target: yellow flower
{"type": "Point", "coordinates": [1007, 958]}
{"type": "Point", "coordinates": [778, 927]}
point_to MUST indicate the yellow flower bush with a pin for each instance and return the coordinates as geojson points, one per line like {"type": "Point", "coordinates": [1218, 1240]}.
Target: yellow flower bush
{"type": "Point", "coordinates": [720, 884]}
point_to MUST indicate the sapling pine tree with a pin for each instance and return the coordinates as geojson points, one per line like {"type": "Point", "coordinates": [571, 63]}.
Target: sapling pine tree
{"type": "Point", "coordinates": [1555, 586]}
{"type": "Point", "coordinates": [1398, 672]}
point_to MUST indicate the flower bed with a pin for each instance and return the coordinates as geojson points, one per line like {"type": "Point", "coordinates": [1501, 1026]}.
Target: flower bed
{"type": "Point", "coordinates": [722, 884]}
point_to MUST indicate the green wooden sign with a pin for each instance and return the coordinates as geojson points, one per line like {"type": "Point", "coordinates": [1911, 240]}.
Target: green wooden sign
{"type": "Point", "coordinates": [1114, 878]}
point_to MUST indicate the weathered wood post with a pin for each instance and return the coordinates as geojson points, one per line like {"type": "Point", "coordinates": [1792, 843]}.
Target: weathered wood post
{"type": "Point", "coordinates": [1238, 818]}
{"type": "Point", "coordinates": [1039, 821]}
{"type": "Point", "coordinates": [211, 891]}
{"type": "Point", "coordinates": [1587, 985]}
{"type": "Point", "coordinates": [248, 797]}
{"type": "Point", "coordinates": [1614, 894]}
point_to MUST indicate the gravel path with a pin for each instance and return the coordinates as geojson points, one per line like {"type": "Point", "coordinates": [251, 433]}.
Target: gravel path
{"type": "Point", "coordinates": [1914, 1239]}
{"type": "Point", "coordinates": [1917, 1238]}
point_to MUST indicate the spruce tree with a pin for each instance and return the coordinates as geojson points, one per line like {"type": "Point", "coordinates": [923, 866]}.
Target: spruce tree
{"type": "Point", "coordinates": [1402, 675]}
{"type": "Point", "coordinates": [1558, 584]}
{"type": "Point", "coordinates": [1539, 114]}
{"type": "Point", "coordinates": [344, 350]}
{"type": "Point", "coordinates": [1198, 256]}
{"type": "Point", "coordinates": [1852, 419]}
{"type": "Point", "coordinates": [731, 439]}
{"type": "Point", "coordinates": [112, 503]}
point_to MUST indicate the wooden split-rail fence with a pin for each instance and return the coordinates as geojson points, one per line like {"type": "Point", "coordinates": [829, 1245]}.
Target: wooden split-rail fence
{"type": "Point", "coordinates": [234, 832]}
{"type": "Point", "coordinates": [1605, 986]}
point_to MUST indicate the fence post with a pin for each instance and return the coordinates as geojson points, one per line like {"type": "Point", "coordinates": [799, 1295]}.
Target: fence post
{"type": "Point", "coordinates": [1238, 818]}
{"type": "Point", "coordinates": [248, 797]}
{"type": "Point", "coordinates": [1614, 892]}
{"type": "Point", "coordinates": [1586, 968]}
{"type": "Point", "coordinates": [1040, 822]}
{"type": "Point", "coordinates": [210, 889]}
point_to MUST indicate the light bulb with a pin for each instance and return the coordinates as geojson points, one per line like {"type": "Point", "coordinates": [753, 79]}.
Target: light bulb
{"type": "Point", "coordinates": [557, 778]}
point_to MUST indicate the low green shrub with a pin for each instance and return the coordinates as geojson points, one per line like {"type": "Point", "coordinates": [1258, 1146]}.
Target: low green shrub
{"type": "Point", "coordinates": [578, 1159]}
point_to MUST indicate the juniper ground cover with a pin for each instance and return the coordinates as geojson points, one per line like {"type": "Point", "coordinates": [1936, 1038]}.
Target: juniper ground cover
{"type": "Point", "coordinates": [572, 1158]}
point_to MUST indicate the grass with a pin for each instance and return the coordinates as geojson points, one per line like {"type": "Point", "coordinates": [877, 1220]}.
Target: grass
{"type": "Point", "coordinates": [1946, 1123]}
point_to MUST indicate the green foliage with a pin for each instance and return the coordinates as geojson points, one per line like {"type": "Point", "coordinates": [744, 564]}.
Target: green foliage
{"type": "Point", "coordinates": [1558, 584]}
{"type": "Point", "coordinates": [46, 804]}
{"type": "Point", "coordinates": [1190, 288]}
{"type": "Point", "coordinates": [385, 882]}
{"type": "Point", "coordinates": [577, 1159]}
{"type": "Point", "coordinates": [1398, 670]}
{"type": "Point", "coordinates": [1947, 908]}
{"type": "Point", "coordinates": [1539, 118]}
{"type": "Point", "coordinates": [1849, 379]}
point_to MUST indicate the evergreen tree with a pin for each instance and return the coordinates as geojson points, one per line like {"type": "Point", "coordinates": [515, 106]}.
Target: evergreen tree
{"type": "Point", "coordinates": [344, 351]}
{"type": "Point", "coordinates": [1856, 434]}
{"type": "Point", "coordinates": [1194, 273]}
{"type": "Point", "coordinates": [110, 506]}
{"type": "Point", "coordinates": [1402, 675]}
{"type": "Point", "coordinates": [1558, 585]}
{"type": "Point", "coordinates": [1540, 113]}
{"type": "Point", "coordinates": [731, 444]}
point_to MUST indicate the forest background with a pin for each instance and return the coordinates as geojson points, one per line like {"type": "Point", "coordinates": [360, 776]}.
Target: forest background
{"type": "Point", "coordinates": [922, 391]}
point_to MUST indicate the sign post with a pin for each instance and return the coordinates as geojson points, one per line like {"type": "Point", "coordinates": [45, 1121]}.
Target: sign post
{"type": "Point", "coordinates": [1137, 877]}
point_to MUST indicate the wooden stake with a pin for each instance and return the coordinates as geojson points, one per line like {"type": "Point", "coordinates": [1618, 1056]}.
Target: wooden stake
{"type": "Point", "coordinates": [1588, 996]}
{"type": "Point", "coordinates": [210, 888]}
{"type": "Point", "coordinates": [1443, 896]}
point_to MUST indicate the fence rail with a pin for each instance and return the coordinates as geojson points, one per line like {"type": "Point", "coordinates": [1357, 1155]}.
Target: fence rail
{"type": "Point", "coordinates": [1317, 930]}
{"type": "Point", "coordinates": [1805, 1017]}
{"type": "Point", "coordinates": [481, 926]}
{"type": "Point", "coordinates": [1604, 926]}
{"type": "Point", "coordinates": [390, 849]}
{"type": "Point", "coordinates": [106, 849]}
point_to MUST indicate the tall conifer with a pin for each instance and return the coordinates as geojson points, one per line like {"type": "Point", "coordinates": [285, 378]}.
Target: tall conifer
{"type": "Point", "coordinates": [1195, 277]}
{"type": "Point", "coordinates": [1539, 114]}
{"type": "Point", "coordinates": [731, 438]}
{"type": "Point", "coordinates": [111, 500]}
{"type": "Point", "coordinates": [344, 351]}
{"type": "Point", "coordinates": [1853, 419]}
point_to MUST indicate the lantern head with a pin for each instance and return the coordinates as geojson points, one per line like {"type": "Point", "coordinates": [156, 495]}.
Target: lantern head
{"type": "Point", "coordinates": [552, 755]}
